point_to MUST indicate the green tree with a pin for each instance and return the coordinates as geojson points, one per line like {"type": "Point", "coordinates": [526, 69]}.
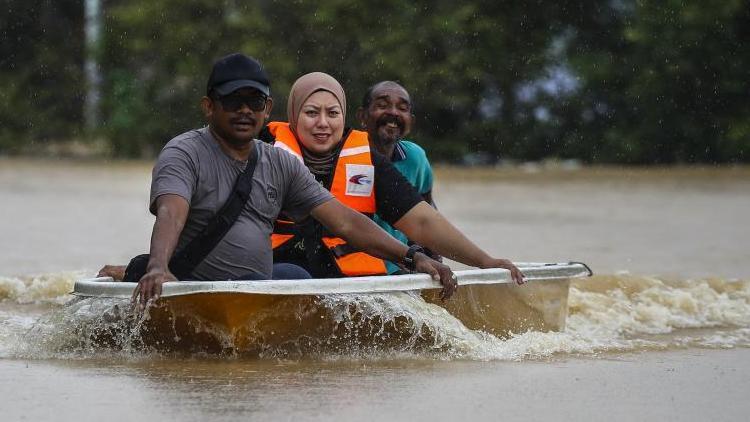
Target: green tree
{"type": "Point", "coordinates": [41, 56]}
{"type": "Point", "coordinates": [622, 81]}
{"type": "Point", "coordinates": [667, 82]}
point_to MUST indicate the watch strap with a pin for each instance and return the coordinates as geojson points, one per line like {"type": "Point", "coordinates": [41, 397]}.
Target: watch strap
{"type": "Point", "coordinates": [408, 260]}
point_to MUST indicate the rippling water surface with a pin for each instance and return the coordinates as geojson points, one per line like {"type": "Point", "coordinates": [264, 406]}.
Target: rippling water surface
{"type": "Point", "coordinates": [670, 299]}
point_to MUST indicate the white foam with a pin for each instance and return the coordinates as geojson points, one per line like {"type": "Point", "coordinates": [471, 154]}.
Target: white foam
{"type": "Point", "coordinates": [43, 288]}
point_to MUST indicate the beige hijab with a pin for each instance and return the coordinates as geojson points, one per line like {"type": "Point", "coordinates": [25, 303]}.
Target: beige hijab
{"type": "Point", "coordinates": [306, 86]}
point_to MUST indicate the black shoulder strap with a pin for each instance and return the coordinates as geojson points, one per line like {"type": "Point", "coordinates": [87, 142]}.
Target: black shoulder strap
{"type": "Point", "coordinates": [184, 261]}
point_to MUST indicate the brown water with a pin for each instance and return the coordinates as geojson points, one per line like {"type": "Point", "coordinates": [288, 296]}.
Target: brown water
{"type": "Point", "coordinates": [663, 330]}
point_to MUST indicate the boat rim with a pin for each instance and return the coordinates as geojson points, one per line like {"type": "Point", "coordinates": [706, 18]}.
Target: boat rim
{"type": "Point", "coordinates": [533, 272]}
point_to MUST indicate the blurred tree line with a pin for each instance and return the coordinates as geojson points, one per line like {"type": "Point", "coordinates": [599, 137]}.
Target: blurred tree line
{"type": "Point", "coordinates": [617, 81]}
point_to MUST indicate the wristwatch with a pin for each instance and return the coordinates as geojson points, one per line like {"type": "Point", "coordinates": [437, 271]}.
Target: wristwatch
{"type": "Point", "coordinates": [408, 260]}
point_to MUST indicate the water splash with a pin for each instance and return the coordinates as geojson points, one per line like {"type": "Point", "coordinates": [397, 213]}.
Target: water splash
{"type": "Point", "coordinates": [44, 288]}
{"type": "Point", "coordinates": [629, 305]}
{"type": "Point", "coordinates": [612, 313]}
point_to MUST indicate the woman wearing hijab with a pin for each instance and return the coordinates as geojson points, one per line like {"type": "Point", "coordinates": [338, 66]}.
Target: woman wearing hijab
{"type": "Point", "coordinates": [341, 160]}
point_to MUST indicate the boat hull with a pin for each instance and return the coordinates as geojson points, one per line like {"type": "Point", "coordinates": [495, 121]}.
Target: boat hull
{"type": "Point", "coordinates": [502, 308]}
{"type": "Point", "coordinates": [298, 314]}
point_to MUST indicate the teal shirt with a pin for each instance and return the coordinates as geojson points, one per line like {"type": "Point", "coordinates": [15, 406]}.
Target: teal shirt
{"type": "Point", "coordinates": [411, 160]}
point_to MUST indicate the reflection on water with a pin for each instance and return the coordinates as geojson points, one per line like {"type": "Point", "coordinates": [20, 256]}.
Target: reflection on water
{"type": "Point", "coordinates": [675, 385]}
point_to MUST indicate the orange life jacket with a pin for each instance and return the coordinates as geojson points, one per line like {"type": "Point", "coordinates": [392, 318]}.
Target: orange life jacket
{"type": "Point", "coordinates": [353, 184]}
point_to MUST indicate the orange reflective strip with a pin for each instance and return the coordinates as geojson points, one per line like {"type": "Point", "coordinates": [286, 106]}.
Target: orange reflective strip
{"type": "Point", "coordinates": [356, 141]}
{"type": "Point", "coordinates": [285, 138]}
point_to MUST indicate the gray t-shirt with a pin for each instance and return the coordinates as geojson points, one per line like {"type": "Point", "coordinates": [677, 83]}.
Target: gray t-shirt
{"type": "Point", "coordinates": [194, 166]}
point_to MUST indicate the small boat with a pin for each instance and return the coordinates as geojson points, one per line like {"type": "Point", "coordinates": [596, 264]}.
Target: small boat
{"type": "Point", "coordinates": [272, 312]}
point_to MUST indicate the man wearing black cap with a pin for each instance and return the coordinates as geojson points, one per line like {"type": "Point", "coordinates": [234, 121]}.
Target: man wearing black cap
{"type": "Point", "coordinates": [196, 172]}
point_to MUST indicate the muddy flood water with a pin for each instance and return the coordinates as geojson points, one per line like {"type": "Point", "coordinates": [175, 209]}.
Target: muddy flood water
{"type": "Point", "coordinates": [661, 332]}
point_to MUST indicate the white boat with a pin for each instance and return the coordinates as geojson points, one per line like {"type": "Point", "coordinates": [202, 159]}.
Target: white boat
{"type": "Point", "coordinates": [486, 300]}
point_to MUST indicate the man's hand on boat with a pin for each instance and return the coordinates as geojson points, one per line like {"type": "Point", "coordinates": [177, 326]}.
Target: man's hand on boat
{"type": "Point", "coordinates": [515, 274]}
{"type": "Point", "coordinates": [439, 272]}
{"type": "Point", "coordinates": [149, 287]}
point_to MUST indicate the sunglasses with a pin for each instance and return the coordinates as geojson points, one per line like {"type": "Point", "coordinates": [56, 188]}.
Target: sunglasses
{"type": "Point", "coordinates": [233, 103]}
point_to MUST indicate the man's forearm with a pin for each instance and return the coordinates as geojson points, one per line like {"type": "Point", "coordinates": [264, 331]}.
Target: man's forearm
{"type": "Point", "coordinates": [369, 237]}
{"type": "Point", "coordinates": [163, 243]}
{"type": "Point", "coordinates": [359, 231]}
{"type": "Point", "coordinates": [426, 226]}
{"type": "Point", "coordinates": [170, 219]}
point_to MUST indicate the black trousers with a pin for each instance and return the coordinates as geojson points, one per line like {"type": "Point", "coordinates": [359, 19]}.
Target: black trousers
{"type": "Point", "coordinates": [281, 271]}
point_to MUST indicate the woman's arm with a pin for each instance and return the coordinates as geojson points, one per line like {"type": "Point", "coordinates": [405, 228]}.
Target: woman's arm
{"type": "Point", "coordinates": [426, 226]}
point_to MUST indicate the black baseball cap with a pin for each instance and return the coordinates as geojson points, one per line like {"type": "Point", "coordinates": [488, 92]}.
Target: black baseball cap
{"type": "Point", "coordinates": [237, 71]}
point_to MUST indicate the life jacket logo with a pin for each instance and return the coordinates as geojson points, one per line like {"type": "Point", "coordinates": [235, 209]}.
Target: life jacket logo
{"type": "Point", "coordinates": [359, 179]}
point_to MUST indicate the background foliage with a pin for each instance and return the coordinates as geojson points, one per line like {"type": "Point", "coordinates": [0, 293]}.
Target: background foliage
{"type": "Point", "coordinates": [619, 81]}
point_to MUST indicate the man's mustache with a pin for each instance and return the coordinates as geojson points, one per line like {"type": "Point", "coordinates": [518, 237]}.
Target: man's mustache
{"type": "Point", "coordinates": [245, 120]}
{"type": "Point", "coordinates": [391, 119]}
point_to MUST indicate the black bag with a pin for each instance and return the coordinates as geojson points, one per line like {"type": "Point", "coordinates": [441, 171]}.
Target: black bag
{"type": "Point", "coordinates": [136, 268]}
{"type": "Point", "coordinates": [184, 261]}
